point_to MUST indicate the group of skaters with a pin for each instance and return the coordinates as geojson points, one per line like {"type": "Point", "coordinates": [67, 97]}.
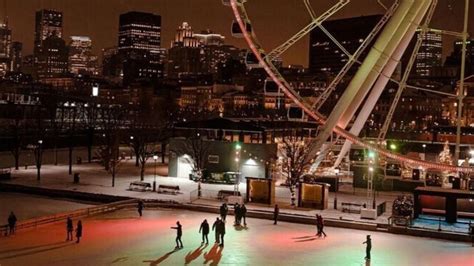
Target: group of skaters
{"type": "Point", "coordinates": [240, 213]}
{"type": "Point", "coordinates": [11, 224]}
{"type": "Point", "coordinates": [70, 230]}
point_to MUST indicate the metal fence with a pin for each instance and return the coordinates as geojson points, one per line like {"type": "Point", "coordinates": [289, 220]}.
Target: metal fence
{"type": "Point", "coordinates": [43, 220]}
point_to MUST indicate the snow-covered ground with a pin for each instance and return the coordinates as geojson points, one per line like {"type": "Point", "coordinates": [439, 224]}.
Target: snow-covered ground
{"type": "Point", "coordinates": [121, 238]}
{"type": "Point", "coordinates": [94, 179]}
{"type": "Point", "coordinates": [29, 206]}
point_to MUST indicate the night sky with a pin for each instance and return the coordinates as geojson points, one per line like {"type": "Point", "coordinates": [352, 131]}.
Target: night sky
{"type": "Point", "coordinates": [274, 20]}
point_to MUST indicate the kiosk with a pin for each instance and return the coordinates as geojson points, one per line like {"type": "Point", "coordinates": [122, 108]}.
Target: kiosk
{"type": "Point", "coordinates": [260, 190]}
{"type": "Point", "coordinates": [313, 195]}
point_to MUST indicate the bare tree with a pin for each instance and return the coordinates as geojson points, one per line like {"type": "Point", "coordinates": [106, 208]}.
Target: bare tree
{"type": "Point", "coordinates": [16, 130]}
{"type": "Point", "coordinates": [295, 161]}
{"type": "Point", "coordinates": [112, 122]}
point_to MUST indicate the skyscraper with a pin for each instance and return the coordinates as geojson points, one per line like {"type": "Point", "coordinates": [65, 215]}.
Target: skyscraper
{"type": "Point", "coordinates": [51, 60]}
{"type": "Point", "coordinates": [81, 59]}
{"type": "Point", "coordinates": [139, 46]}
{"type": "Point", "coordinates": [50, 50]}
{"type": "Point", "coordinates": [430, 54]}
{"type": "Point", "coordinates": [185, 37]}
{"type": "Point", "coordinates": [16, 56]}
{"type": "Point", "coordinates": [47, 23]}
{"type": "Point", "coordinates": [454, 59]}
{"type": "Point", "coordinates": [5, 49]}
{"type": "Point", "coordinates": [325, 56]}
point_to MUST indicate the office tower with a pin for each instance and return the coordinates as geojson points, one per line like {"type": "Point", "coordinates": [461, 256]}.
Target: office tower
{"type": "Point", "coordinates": [185, 37]}
{"type": "Point", "coordinates": [47, 23]}
{"type": "Point", "coordinates": [430, 54]}
{"type": "Point", "coordinates": [325, 56]}
{"type": "Point", "coordinates": [51, 60]}
{"type": "Point", "coordinates": [5, 49]}
{"type": "Point", "coordinates": [81, 59]}
{"type": "Point", "coordinates": [16, 56]}
{"type": "Point", "coordinates": [139, 47]}
{"type": "Point", "coordinates": [454, 59]}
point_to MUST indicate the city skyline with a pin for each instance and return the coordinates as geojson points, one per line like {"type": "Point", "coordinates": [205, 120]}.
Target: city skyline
{"type": "Point", "coordinates": [99, 20]}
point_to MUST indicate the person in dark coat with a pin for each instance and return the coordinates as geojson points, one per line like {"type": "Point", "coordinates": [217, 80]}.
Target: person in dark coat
{"type": "Point", "coordinates": [12, 223]}
{"type": "Point", "coordinates": [368, 247]}
{"type": "Point", "coordinates": [223, 211]}
{"type": "Point", "coordinates": [179, 234]}
{"type": "Point", "coordinates": [69, 229]}
{"type": "Point", "coordinates": [204, 229]}
{"type": "Point", "coordinates": [140, 208]}
{"type": "Point", "coordinates": [221, 229]}
{"type": "Point", "coordinates": [215, 228]}
{"type": "Point", "coordinates": [78, 231]}
{"type": "Point", "coordinates": [243, 213]}
{"type": "Point", "coordinates": [237, 214]}
{"type": "Point", "coordinates": [320, 225]}
{"type": "Point", "coordinates": [276, 212]}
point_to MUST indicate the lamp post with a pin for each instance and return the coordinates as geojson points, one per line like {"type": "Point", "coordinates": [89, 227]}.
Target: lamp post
{"type": "Point", "coordinates": [155, 157]}
{"type": "Point", "coordinates": [131, 143]}
{"type": "Point", "coordinates": [336, 172]}
{"type": "Point", "coordinates": [38, 160]}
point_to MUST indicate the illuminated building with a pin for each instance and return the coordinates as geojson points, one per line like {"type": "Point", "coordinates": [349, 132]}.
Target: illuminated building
{"type": "Point", "coordinates": [454, 60]}
{"type": "Point", "coordinates": [430, 54]}
{"type": "Point", "coordinates": [325, 56]}
{"type": "Point", "coordinates": [5, 49]}
{"type": "Point", "coordinates": [81, 59]}
{"type": "Point", "coordinates": [16, 56]}
{"type": "Point", "coordinates": [50, 51]}
{"type": "Point", "coordinates": [139, 46]}
{"type": "Point", "coordinates": [185, 37]}
{"type": "Point", "coordinates": [52, 58]}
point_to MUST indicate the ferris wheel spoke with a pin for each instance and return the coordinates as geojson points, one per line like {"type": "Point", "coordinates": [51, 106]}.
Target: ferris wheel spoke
{"type": "Point", "coordinates": [303, 32]}
{"type": "Point", "coordinates": [355, 58]}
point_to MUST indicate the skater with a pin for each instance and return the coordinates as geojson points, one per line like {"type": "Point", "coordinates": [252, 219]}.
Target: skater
{"type": "Point", "coordinates": [215, 228]}
{"type": "Point", "coordinates": [318, 226]}
{"type": "Point", "coordinates": [243, 213]}
{"type": "Point", "coordinates": [204, 229]}
{"type": "Point", "coordinates": [221, 229]}
{"type": "Point", "coordinates": [12, 223]}
{"type": "Point", "coordinates": [368, 242]}
{"type": "Point", "coordinates": [78, 231]}
{"type": "Point", "coordinates": [140, 208]}
{"type": "Point", "coordinates": [320, 222]}
{"type": "Point", "coordinates": [276, 212]}
{"type": "Point", "coordinates": [179, 234]}
{"type": "Point", "coordinates": [69, 229]}
{"type": "Point", "coordinates": [223, 211]}
{"type": "Point", "coordinates": [237, 214]}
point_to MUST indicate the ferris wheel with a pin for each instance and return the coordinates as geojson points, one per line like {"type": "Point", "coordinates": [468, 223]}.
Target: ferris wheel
{"type": "Point", "coordinates": [390, 38]}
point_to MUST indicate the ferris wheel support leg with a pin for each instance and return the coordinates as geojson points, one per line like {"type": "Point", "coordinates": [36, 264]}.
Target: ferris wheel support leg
{"type": "Point", "coordinates": [383, 80]}
{"type": "Point", "coordinates": [365, 76]}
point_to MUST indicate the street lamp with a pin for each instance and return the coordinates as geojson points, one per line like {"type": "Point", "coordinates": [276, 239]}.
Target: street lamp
{"type": "Point", "coordinates": [424, 148]}
{"type": "Point", "coordinates": [155, 157]}
{"type": "Point", "coordinates": [336, 172]}
{"type": "Point", "coordinates": [38, 160]}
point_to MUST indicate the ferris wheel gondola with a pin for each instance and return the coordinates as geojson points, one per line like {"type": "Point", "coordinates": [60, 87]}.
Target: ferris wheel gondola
{"type": "Point", "coordinates": [237, 32]}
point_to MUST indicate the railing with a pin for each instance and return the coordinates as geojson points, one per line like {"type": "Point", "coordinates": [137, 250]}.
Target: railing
{"type": "Point", "coordinates": [34, 222]}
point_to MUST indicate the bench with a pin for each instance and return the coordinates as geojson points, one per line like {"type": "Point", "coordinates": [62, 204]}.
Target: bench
{"type": "Point", "coordinates": [168, 189]}
{"type": "Point", "coordinates": [140, 185]}
{"type": "Point", "coordinates": [351, 207]}
{"type": "Point", "coordinates": [223, 194]}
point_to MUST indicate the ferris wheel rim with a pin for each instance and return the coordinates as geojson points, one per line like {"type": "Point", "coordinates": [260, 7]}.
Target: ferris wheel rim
{"type": "Point", "coordinates": [256, 49]}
